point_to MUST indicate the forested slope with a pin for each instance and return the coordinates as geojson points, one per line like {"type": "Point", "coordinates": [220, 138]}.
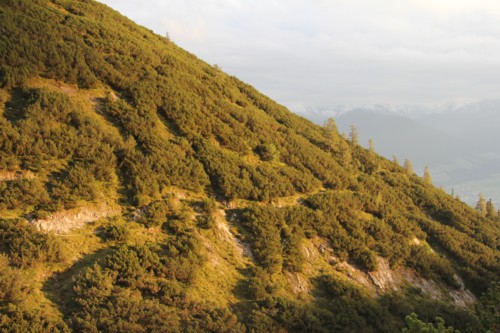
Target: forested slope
{"type": "Point", "coordinates": [209, 206]}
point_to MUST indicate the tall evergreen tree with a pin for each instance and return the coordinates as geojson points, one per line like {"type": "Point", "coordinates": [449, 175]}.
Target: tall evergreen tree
{"type": "Point", "coordinates": [354, 135]}
{"type": "Point", "coordinates": [481, 204]}
{"type": "Point", "coordinates": [331, 130]}
{"type": "Point", "coordinates": [395, 159]}
{"type": "Point", "coordinates": [345, 155]}
{"type": "Point", "coordinates": [491, 211]}
{"type": "Point", "coordinates": [427, 176]}
{"type": "Point", "coordinates": [371, 146]}
{"type": "Point", "coordinates": [330, 125]}
{"type": "Point", "coordinates": [408, 167]}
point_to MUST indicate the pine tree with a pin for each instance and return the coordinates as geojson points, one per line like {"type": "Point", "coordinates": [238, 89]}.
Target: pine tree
{"type": "Point", "coordinates": [427, 176]}
{"type": "Point", "coordinates": [481, 204]}
{"type": "Point", "coordinates": [371, 146]}
{"type": "Point", "coordinates": [330, 125]}
{"type": "Point", "coordinates": [331, 130]}
{"type": "Point", "coordinates": [409, 167]}
{"type": "Point", "coordinates": [491, 211]}
{"type": "Point", "coordinates": [345, 155]}
{"type": "Point", "coordinates": [354, 135]}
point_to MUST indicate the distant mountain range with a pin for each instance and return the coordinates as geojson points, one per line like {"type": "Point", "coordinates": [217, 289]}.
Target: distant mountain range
{"type": "Point", "coordinates": [458, 142]}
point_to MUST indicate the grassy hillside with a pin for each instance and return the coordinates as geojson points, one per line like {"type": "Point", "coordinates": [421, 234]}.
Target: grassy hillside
{"type": "Point", "coordinates": [142, 189]}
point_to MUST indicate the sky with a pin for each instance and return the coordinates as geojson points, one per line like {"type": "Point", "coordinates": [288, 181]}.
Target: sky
{"type": "Point", "coordinates": [310, 53]}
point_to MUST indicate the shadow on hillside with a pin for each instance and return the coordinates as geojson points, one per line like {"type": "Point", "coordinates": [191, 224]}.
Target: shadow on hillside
{"type": "Point", "coordinates": [15, 108]}
{"type": "Point", "coordinates": [59, 287]}
{"type": "Point", "coordinates": [245, 305]}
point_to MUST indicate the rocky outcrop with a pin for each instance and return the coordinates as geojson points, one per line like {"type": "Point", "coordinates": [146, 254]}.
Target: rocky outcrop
{"type": "Point", "coordinates": [64, 221]}
{"type": "Point", "coordinates": [298, 283]}
{"type": "Point", "coordinates": [223, 226]}
{"type": "Point", "coordinates": [386, 279]}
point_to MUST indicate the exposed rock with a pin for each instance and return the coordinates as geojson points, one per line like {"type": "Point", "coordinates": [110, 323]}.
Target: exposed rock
{"type": "Point", "coordinates": [112, 96]}
{"type": "Point", "coordinates": [356, 274]}
{"type": "Point", "coordinates": [463, 297]}
{"type": "Point", "coordinates": [64, 221]}
{"type": "Point", "coordinates": [428, 287]}
{"type": "Point", "coordinates": [13, 175]}
{"type": "Point", "coordinates": [242, 248]}
{"type": "Point", "coordinates": [298, 283]}
{"type": "Point", "coordinates": [384, 278]}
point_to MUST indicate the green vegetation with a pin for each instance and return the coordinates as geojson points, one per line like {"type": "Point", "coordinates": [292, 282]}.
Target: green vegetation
{"type": "Point", "coordinates": [25, 246]}
{"type": "Point", "coordinates": [415, 326]}
{"type": "Point", "coordinates": [236, 215]}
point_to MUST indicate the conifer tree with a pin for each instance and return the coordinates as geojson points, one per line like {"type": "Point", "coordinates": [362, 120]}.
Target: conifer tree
{"type": "Point", "coordinates": [427, 176]}
{"type": "Point", "coordinates": [408, 167]}
{"type": "Point", "coordinates": [331, 129]}
{"type": "Point", "coordinates": [481, 204]}
{"type": "Point", "coordinates": [330, 125]}
{"type": "Point", "coordinates": [491, 211]}
{"type": "Point", "coordinates": [354, 135]}
{"type": "Point", "coordinates": [371, 146]}
{"type": "Point", "coordinates": [345, 155]}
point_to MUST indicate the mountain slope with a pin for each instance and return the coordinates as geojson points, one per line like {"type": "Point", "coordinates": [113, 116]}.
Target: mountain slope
{"type": "Point", "coordinates": [212, 208]}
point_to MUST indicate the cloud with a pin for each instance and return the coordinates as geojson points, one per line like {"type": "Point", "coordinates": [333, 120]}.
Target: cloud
{"type": "Point", "coordinates": [325, 52]}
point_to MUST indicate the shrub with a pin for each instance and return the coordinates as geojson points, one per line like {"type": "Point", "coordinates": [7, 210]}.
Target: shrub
{"type": "Point", "coordinates": [26, 246]}
{"type": "Point", "coordinates": [267, 152]}
{"type": "Point", "coordinates": [119, 233]}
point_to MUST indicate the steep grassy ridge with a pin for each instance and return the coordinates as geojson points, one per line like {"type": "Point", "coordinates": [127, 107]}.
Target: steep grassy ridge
{"type": "Point", "coordinates": [213, 208]}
